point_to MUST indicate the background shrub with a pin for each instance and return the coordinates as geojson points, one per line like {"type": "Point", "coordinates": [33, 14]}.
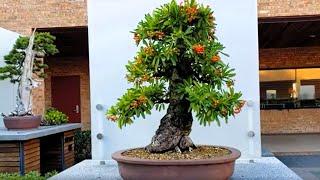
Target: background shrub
{"type": "Point", "coordinates": [82, 145]}
{"type": "Point", "coordinates": [54, 117]}
{"type": "Point", "coordinates": [33, 175]}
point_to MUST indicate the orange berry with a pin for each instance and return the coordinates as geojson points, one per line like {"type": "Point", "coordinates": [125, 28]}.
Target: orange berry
{"type": "Point", "coordinates": [191, 13]}
{"type": "Point", "coordinates": [237, 110]}
{"type": "Point", "coordinates": [215, 58]}
{"type": "Point", "coordinates": [139, 60]}
{"type": "Point", "coordinates": [159, 35]}
{"type": "Point", "coordinates": [112, 117]}
{"type": "Point", "coordinates": [242, 103]}
{"type": "Point", "coordinates": [142, 99]}
{"type": "Point", "coordinates": [215, 103]}
{"type": "Point", "coordinates": [149, 50]}
{"type": "Point", "coordinates": [198, 48]}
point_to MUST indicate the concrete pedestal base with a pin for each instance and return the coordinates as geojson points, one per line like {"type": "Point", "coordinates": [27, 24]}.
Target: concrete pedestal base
{"type": "Point", "coordinates": [262, 168]}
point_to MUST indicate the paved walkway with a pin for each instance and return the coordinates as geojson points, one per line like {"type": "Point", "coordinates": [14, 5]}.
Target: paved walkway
{"type": "Point", "coordinates": [292, 144]}
{"type": "Point", "coordinates": [306, 166]}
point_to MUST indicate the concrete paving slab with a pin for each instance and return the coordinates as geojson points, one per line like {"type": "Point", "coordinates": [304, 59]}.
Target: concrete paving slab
{"type": "Point", "coordinates": [267, 168]}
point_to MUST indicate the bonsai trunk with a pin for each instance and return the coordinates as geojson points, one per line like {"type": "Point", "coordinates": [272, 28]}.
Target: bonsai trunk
{"type": "Point", "coordinates": [173, 132]}
{"type": "Point", "coordinates": [175, 126]}
{"type": "Point", "coordinates": [26, 82]}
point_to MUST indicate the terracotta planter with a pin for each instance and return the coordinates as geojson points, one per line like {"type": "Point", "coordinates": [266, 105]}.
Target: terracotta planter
{"type": "Point", "coordinates": [220, 168]}
{"type": "Point", "coordinates": [22, 122]}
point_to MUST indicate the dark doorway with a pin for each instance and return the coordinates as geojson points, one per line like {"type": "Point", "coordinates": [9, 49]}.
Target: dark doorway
{"type": "Point", "coordinates": [66, 96]}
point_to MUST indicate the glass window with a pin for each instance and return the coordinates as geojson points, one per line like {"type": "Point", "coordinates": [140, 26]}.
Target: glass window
{"type": "Point", "coordinates": [290, 88]}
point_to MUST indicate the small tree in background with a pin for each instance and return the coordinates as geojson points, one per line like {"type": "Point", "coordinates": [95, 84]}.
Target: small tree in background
{"type": "Point", "coordinates": [178, 63]}
{"type": "Point", "coordinates": [24, 64]}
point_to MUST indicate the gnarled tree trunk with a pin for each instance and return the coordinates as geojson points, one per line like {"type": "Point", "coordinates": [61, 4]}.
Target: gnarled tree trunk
{"type": "Point", "coordinates": [175, 126]}
{"type": "Point", "coordinates": [26, 84]}
{"type": "Point", "coordinates": [173, 132]}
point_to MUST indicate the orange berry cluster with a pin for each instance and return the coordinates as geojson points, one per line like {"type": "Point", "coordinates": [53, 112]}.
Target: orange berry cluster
{"type": "Point", "coordinates": [139, 60]}
{"type": "Point", "coordinates": [237, 109]}
{"type": "Point", "coordinates": [191, 13]}
{"type": "Point", "coordinates": [198, 48]}
{"type": "Point", "coordinates": [215, 103]}
{"type": "Point", "coordinates": [112, 118]}
{"type": "Point", "coordinates": [159, 35]}
{"type": "Point", "coordinates": [215, 58]}
{"type": "Point", "coordinates": [136, 103]}
{"type": "Point", "coordinates": [149, 50]}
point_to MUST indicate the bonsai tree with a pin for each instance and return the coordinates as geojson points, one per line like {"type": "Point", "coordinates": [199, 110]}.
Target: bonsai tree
{"type": "Point", "coordinates": [180, 63]}
{"type": "Point", "coordinates": [24, 64]}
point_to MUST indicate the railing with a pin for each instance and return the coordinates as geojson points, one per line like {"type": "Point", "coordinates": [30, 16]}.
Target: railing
{"type": "Point", "coordinates": [289, 104]}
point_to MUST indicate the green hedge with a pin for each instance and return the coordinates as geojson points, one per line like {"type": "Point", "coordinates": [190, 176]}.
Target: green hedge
{"type": "Point", "coordinates": [33, 175]}
{"type": "Point", "coordinates": [82, 145]}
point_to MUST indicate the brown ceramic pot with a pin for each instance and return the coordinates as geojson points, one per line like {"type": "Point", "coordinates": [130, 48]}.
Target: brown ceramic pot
{"type": "Point", "coordinates": [22, 122]}
{"type": "Point", "coordinates": [220, 168]}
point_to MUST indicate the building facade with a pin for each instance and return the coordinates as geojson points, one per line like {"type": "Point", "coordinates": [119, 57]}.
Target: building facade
{"type": "Point", "coordinates": [289, 42]}
{"type": "Point", "coordinates": [67, 20]}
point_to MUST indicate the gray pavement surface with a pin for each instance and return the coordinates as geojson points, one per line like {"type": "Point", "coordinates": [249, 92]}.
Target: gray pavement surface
{"type": "Point", "coordinates": [306, 166]}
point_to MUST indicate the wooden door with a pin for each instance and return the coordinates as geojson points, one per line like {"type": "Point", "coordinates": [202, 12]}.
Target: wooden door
{"type": "Point", "coordinates": [66, 96]}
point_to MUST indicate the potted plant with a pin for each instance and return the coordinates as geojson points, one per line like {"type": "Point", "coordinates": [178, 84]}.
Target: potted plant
{"type": "Point", "coordinates": [24, 64]}
{"type": "Point", "coordinates": [179, 66]}
{"type": "Point", "coordinates": [53, 116]}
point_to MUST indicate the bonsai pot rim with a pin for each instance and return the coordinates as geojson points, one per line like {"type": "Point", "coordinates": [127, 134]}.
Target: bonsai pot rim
{"type": "Point", "coordinates": [234, 154]}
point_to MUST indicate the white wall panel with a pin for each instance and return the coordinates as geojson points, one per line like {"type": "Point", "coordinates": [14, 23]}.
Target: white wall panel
{"type": "Point", "coordinates": [7, 90]}
{"type": "Point", "coordinates": [111, 46]}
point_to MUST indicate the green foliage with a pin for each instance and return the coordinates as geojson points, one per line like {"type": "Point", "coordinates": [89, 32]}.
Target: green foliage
{"type": "Point", "coordinates": [178, 36]}
{"type": "Point", "coordinates": [33, 175]}
{"type": "Point", "coordinates": [54, 117]}
{"type": "Point", "coordinates": [44, 43]}
{"type": "Point", "coordinates": [82, 145]}
{"type": "Point", "coordinates": [50, 174]}
{"type": "Point", "coordinates": [209, 103]}
{"type": "Point", "coordinates": [136, 102]}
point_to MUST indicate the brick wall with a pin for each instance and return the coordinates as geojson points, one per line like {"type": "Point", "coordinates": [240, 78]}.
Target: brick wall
{"type": "Point", "coordinates": [290, 121]}
{"type": "Point", "coordinates": [22, 15]}
{"type": "Point", "coordinates": [301, 57]}
{"type": "Point", "coordinates": [271, 8]}
{"type": "Point", "coordinates": [68, 67]}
